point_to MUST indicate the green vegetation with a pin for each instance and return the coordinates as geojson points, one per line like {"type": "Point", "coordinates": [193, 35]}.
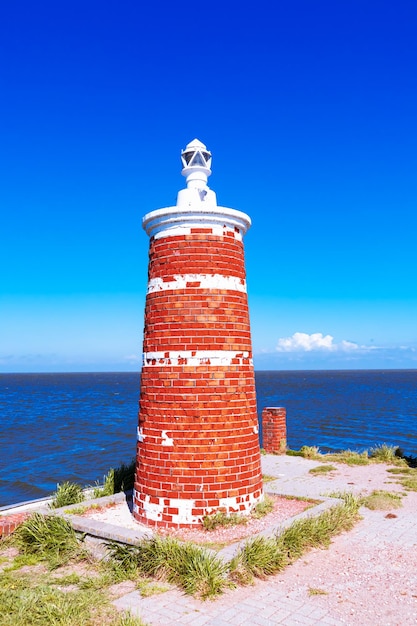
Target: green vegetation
{"type": "Point", "coordinates": [220, 518]}
{"type": "Point", "coordinates": [33, 598]}
{"type": "Point", "coordinates": [379, 454]}
{"type": "Point", "coordinates": [61, 584]}
{"type": "Point", "coordinates": [43, 604]}
{"type": "Point", "coordinates": [382, 500]}
{"type": "Point", "coordinates": [401, 470]}
{"type": "Point", "coordinates": [48, 591]}
{"type": "Point", "coordinates": [127, 619]}
{"type": "Point", "coordinates": [346, 496]}
{"type": "Point", "coordinates": [120, 479]}
{"type": "Point", "coordinates": [349, 457]}
{"type": "Point", "coordinates": [377, 500]}
{"type": "Point", "coordinates": [37, 586]}
{"type": "Point", "coordinates": [65, 581]}
{"type": "Point", "coordinates": [314, 591]}
{"type": "Point", "coordinates": [80, 510]}
{"type": "Point", "coordinates": [22, 560]}
{"type": "Point", "coordinates": [322, 469]}
{"type": "Point", "coordinates": [406, 476]}
{"type": "Point", "coordinates": [411, 461]}
{"type": "Point", "coordinates": [267, 478]}
{"type": "Point", "coordinates": [194, 569]}
{"type": "Point", "coordinates": [66, 494]}
{"type": "Point", "coordinates": [263, 508]}
{"type": "Point", "coordinates": [409, 482]}
{"type": "Point", "coordinates": [261, 557]}
{"type": "Point", "coordinates": [310, 452]}
{"type": "Point", "coordinates": [384, 454]}
{"type": "Point", "coordinates": [148, 587]}
{"type": "Point", "coordinates": [50, 537]}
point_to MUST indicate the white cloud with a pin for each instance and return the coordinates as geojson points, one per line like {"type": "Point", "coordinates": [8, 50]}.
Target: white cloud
{"type": "Point", "coordinates": [302, 342]}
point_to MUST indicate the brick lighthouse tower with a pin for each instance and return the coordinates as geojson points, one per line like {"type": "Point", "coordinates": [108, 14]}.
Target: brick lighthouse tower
{"type": "Point", "coordinates": [198, 448]}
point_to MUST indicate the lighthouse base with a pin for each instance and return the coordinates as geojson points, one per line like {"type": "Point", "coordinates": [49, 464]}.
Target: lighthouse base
{"type": "Point", "coordinates": [189, 513]}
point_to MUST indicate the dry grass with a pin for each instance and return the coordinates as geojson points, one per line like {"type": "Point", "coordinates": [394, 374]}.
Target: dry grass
{"type": "Point", "coordinates": [322, 469]}
{"type": "Point", "coordinates": [382, 500]}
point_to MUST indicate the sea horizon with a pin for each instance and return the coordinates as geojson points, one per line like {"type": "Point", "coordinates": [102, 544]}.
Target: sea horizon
{"type": "Point", "coordinates": [314, 369]}
{"type": "Point", "coordinates": [58, 426]}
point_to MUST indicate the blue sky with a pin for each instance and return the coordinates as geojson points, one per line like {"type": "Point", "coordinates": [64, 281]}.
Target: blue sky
{"type": "Point", "coordinates": [309, 110]}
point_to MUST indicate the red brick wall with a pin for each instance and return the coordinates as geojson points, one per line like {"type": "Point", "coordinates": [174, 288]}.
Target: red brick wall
{"type": "Point", "coordinates": [207, 411]}
{"type": "Point", "coordinates": [9, 523]}
{"type": "Point", "coordinates": [274, 430]}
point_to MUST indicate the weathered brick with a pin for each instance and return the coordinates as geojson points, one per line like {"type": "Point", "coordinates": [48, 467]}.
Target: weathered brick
{"type": "Point", "coordinates": [274, 430]}
{"type": "Point", "coordinates": [198, 422]}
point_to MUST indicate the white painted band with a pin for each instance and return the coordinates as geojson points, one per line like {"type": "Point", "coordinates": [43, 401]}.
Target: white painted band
{"type": "Point", "coordinates": [174, 220]}
{"type": "Point", "coordinates": [182, 231]}
{"type": "Point", "coordinates": [206, 281]}
{"type": "Point", "coordinates": [195, 357]}
{"type": "Point", "coordinates": [154, 511]}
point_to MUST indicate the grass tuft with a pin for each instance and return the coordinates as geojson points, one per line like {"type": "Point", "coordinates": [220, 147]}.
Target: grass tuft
{"type": "Point", "coordinates": [350, 500]}
{"type": "Point", "coordinates": [67, 493]}
{"type": "Point", "coordinates": [350, 457]}
{"type": "Point", "coordinates": [48, 536]}
{"type": "Point", "coordinates": [44, 605]}
{"type": "Point", "coordinates": [70, 579]}
{"type": "Point", "coordinates": [382, 500]}
{"type": "Point", "coordinates": [263, 508]}
{"type": "Point", "coordinates": [120, 479]}
{"type": "Point", "coordinates": [314, 591]}
{"type": "Point", "coordinates": [80, 510]}
{"type": "Point", "coordinates": [261, 557]}
{"type": "Point", "coordinates": [310, 452]}
{"type": "Point", "coordinates": [220, 518]}
{"type": "Point", "coordinates": [147, 587]}
{"type": "Point", "coordinates": [267, 478]}
{"type": "Point", "coordinates": [322, 469]}
{"type": "Point", "coordinates": [386, 454]}
{"type": "Point", "coordinates": [382, 453]}
{"type": "Point", "coordinates": [401, 470]}
{"type": "Point", "coordinates": [194, 569]}
{"type": "Point", "coordinates": [409, 483]}
{"type": "Point", "coordinates": [127, 619]}
{"type": "Point", "coordinates": [406, 477]}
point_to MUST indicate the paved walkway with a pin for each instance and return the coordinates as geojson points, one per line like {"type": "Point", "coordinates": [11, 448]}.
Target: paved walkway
{"type": "Point", "coordinates": [367, 577]}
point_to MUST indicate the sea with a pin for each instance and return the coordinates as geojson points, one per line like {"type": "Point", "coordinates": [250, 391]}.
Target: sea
{"type": "Point", "coordinates": [57, 427]}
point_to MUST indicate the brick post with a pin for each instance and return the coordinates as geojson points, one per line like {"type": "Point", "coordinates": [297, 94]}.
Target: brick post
{"type": "Point", "coordinates": [198, 447]}
{"type": "Point", "coordinates": [274, 430]}
{"type": "Point", "coordinates": [9, 523]}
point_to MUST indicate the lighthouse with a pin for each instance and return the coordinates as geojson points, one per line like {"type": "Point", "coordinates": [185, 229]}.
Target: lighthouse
{"type": "Point", "coordinates": [197, 437]}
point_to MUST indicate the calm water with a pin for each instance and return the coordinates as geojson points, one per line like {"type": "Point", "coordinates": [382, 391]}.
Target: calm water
{"type": "Point", "coordinates": [56, 427]}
